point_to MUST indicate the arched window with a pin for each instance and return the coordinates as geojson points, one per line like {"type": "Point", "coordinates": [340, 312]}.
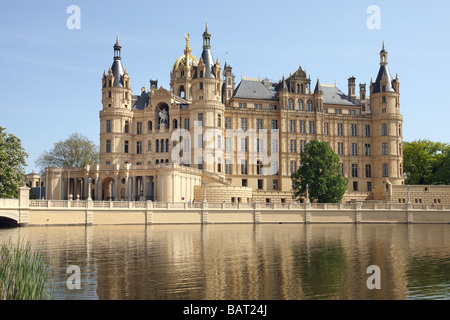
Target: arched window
{"type": "Point", "coordinates": [298, 88]}
{"type": "Point", "coordinates": [291, 104]}
{"type": "Point", "coordinates": [300, 105]}
{"type": "Point", "coordinates": [182, 92]}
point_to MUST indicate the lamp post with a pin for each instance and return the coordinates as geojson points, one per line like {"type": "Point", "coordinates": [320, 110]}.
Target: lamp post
{"type": "Point", "coordinates": [307, 193]}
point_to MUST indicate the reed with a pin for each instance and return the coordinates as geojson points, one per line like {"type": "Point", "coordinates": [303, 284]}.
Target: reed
{"type": "Point", "coordinates": [23, 273]}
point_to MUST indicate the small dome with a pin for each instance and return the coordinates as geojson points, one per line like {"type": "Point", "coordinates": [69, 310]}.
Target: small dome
{"type": "Point", "coordinates": [181, 62]}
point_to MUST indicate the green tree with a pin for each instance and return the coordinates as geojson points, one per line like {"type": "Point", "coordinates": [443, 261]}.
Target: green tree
{"type": "Point", "coordinates": [426, 162]}
{"type": "Point", "coordinates": [12, 164]}
{"type": "Point", "coordinates": [320, 170]}
{"type": "Point", "coordinates": [77, 151]}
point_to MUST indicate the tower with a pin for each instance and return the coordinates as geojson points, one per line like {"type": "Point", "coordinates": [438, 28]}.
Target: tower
{"type": "Point", "coordinates": [229, 82]}
{"type": "Point", "coordinates": [387, 157]}
{"type": "Point", "coordinates": [116, 116]}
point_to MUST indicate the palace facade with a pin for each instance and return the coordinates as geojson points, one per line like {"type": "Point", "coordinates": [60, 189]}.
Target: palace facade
{"type": "Point", "coordinates": [208, 135]}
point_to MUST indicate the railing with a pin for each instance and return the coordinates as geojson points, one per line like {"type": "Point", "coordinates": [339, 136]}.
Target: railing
{"type": "Point", "coordinates": [233, 205]}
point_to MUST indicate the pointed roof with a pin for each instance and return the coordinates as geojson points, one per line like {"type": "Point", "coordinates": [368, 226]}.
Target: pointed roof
{"type": "Point", "coordinates": [383, 75]}
{"type": "Point", "coordinates": [117, 67]}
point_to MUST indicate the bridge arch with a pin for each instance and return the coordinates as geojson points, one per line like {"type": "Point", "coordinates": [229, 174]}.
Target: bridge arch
{"type": "Point", "coordinates": [9, 219]}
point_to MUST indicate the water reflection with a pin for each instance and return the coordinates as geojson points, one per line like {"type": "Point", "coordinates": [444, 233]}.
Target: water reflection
{"type": "Point", "coordinates": [246, 261]}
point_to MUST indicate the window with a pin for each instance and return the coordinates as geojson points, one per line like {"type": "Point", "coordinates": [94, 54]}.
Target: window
{"type": "Point", "coordinates": [149, 126]}
{"type": "Point", "coordinates": [384, 129]}
{"type": "Point", "coordinates": [353, 130]}
{"type": "Point", "coordinates": [383, 99]}
{"type": "Point", "coordinates": [227, 166]}
{"type": "Point", "coordinates": [274, 167]}
{"type": "Point", "coordinates": [274, 124]}
{"type": "Point", "coordinates": [227, 144]}
{"type": "Point", "coordinates": [244, 144]}
{"type": "Point", "coordinates": [139, 128]}
{"type": "Point", "coordinates": [227, 123]}
{"type": "Point", "coordinates": [259, 125]}
{"type": "Point", "coordinates": [367, 150]}
{"type": "Point", "coordinates": [244, 182]}
{"type": "Point", "coordinates": [126, 146]}
{"type": "Point", "coordinates": [340, 148]}
{"type": "Point", "coordinates": [302, 145]}
{"type": "Point", "coordinates": [200, 140]}
{"type": "Point", "coordinates": [200, 119]}
{"type": "Point", "coordinates": [366, 130]}
{"type": "Point", "coordinates": [219, 121]}
{"type": "Point", "coordinates": [139, 147]}
{"type": "Point", "coordinates": [157, 145]}
{"type": "Point", "coordinates": [355, 186]}
{"type": "Point", "coordinates": [260, 184]}
{"type": "Point", "coordinates": [369, 186]}
{"type": "Point", "coordinates": [127, 127]}
{"type": "Point", "coordinates": [149, 145]}
{"type": "Point", "coordinates": [384, 148]}
{"type": "Point", "coordinates": [244, 124]}
{"type": "Point", "coordinates": [275, 184]}
{"type": "Point", "coordinates": [339, 129]}
{"type": "Point", "coordinates": [175, 124]}
{"type": "Point", "coordinates": [108, 125]}
{"type": "Point", "coordinates": [259, 145]}
{"type": "Point", "coordinates": [274, 145]}
{"type": "Point", "coordinates": [341, 165]}
{"type": "Point", "coordinates": [302, 126]}
{"type": "Point", "coordinates": [309, 106]}
{"type": "Point", "coordinates": [201, 74]}
{"type": "Point", "coordinates": [291, 104]}
{"type": "Point", "coordinates": [311, 126]}
{"type": "Point", "coordinates": [292, 126]}
{"type": "Point", "coordinates": [186, 124]}
{"type": "Point", "coordinates": [162, 145]}
{"type": "Point", "coordinates": [354, 170]}
{"type": "Point", "coordinates": [300, 105]}
{"type": "Point", "coordinates": [368, 171]}
{"type": "Point", "coordinates": [292, 167]}
{"type": "Point", "coordinates": [201, 83]}
{"type": "Point", "coordinates": [385, 170]}
{"type": "Point", "coordinates": [292, 146]}
{"type": "Point", "coordinates": [354, 149]}
{"type": "Point", "coordinates": [200, 164]}
{"type": "Point", "coordinates": [259, 167]}
{"type": "Point", "coordinates": [108, 146]}
{"type": "Point", "coordinates": [243, 166]}
{"type": "Point", "coordinates": [326, 128]}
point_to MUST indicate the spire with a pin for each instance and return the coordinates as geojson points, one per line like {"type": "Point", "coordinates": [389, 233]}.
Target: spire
{"type": "Point", "coordinates": [383, 56]}
{"type": "Point", "coordinates": [117, 49]}
{"type": "Point", "coordinates": [117, 67]}
{"type": "Point", "coordinates": [207, 55]}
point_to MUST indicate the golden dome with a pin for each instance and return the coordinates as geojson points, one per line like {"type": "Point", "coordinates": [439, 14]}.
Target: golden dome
{"type": "Point", "coordinates": [181, 61]}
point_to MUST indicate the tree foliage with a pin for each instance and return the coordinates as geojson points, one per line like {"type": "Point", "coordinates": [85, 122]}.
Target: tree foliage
{"type": "Point", "coordinates": [320, 170]}
{"type": "Point", "coordinates": [12, 164]}
{"type": "Point", "coordinates": [76, 151]}
{"type": "Point", "coordinates": [426, 162]}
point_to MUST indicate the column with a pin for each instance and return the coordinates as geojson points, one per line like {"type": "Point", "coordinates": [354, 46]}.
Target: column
{"type": "Point", "coordinates": [116, 192]}
{"type": "Point", "coordinates": [155, 189]}
{"type": "Point", "coordinates": [75, 188]}
{"type": "Point", "coordinates": [144, 182]}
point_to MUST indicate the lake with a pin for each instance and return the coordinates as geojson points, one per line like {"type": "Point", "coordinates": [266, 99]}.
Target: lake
{"type": "Point", "coordinates": [245, 262]}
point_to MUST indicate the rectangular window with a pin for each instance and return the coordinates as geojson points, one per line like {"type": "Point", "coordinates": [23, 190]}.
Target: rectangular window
{"type": "Point", "coordinates": [302, 145]}
{"type": "Point", "coordinates": [227, 123]}
{"type": "Point", "coordinates": [244, 182]}
{"type": "Point", "coordinates": [311, 127]}
{"type": "Point", "coordinates": [326, 128]}
{"type": "Point", "coordinates": [200, 140]}
{"type": "Point", "coordinates": [274, 167]}
{"type": "Point", "coordinates": [384, 148]}
{"type": "Point", "coordinates": [157, 145]}
{"type": "Point", "coordinates": [138, 127]}
{"type": "Point", "coordinates": [227, 144]}
{"type": "Point", "coordinates": [126, 146]}
{"type": "Point", "coordinates": [292, 126]}
{"type": "Point", "coordinates": [339, 129]}
{"type": "Point", "coordinates": [186, 124]}
{"type": "Point", "coordinates": [354, 149]}
{"type": "Point", "coordinates": [259, 125]}
{"type": "Point", "coordinates": [274, 145]}
{"type": "Point", "coordinates": [368, 171]}
{"type": "Point", "coordinates": [149, 145]}
{"type": "Point", "coordinates": [227, 166]}
{"type": "Point", "coordinates": [200, 163]}
{"type": "Point", "coordinates": [366, 130]}
{"type": "Point", "coordinates": [275, 184]}
{"type": "Point", "coordinates": [259, 168]}
{"type": "Point", "coordinates": [292, 167]}
{"type": "Point", "coordinates": [108, 125]}
{"type": "Point", "coordinates": [274, 124]}
{"type": "Point", "coordinates": [243, 166]}
{"type": "Point", "coordinates": [201, 83]}
{"type": "Point", "coordinates": [383, 99]}
{"type": "Point", "coordinates": [353, 130]}
{"type": "Point", "coordinates": [292, 146]}
{"type": "Point", "coordinates": [302, 127]}
{"type": "Point", "coordinates": [341, 165]}
{"type": "Point", "coordinates": [354, 170]}
{"type": "Point", "coordinates": [384, 129]}
{"type": "Point", "coordinates": [340, 148]}
{"type": "Point", "coordinates": [260, 184]}
{"type": "Point", "coordinates": [367, 150]}
{"type": "Point", "coordinates": [126, 128]}
{"type": "Point", "coordinates": [219, 142]}
{"type": "Point", "coordinates": [259, 145]}
{"type": "Point", "coordinates": [385, 170]}
{"type": "Point", "coordinates": [244, 144]}
{"type": "Point", "coordinates": [108, 146]}
{"type": "Point", "coordinates": [162, 145]}
{"type": "Point", "coordinates": [355, 186]}
{"type": "Point", "coordinates": [139, 147]}
{"type": "Point", "coordinates": [244, 124]}
{"type": "Point", "coordinates": [200, 119]}
{"type": "Point", "coordinates": [369, 186]}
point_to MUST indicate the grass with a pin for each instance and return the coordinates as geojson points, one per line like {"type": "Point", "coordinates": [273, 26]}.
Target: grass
{"type": "Point", "coordinates": [23, 273]}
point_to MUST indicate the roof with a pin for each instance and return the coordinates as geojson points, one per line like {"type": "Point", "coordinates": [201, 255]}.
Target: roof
{"type": "Point", "coordinates": [118, 72]}
{"type": "Point", "coordinates": [384, 71]}
{"type": "Point", "coordinates": [250, 89]}
{"type": "Point", "coordinates": [142, 101]}
{"type": "Point", "coordinates": [332, 95]}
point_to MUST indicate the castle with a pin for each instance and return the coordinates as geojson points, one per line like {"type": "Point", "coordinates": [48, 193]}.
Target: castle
{"type": "Point", "coordinates": [209, 137]}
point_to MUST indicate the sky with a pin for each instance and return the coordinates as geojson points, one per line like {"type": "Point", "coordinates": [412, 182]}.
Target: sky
{"type": "Point", "coordinates": [53, 58]}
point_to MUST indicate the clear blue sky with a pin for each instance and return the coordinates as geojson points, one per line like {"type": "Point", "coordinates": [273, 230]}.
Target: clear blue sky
{"type": "Point", "coordinates": [51, 75]}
